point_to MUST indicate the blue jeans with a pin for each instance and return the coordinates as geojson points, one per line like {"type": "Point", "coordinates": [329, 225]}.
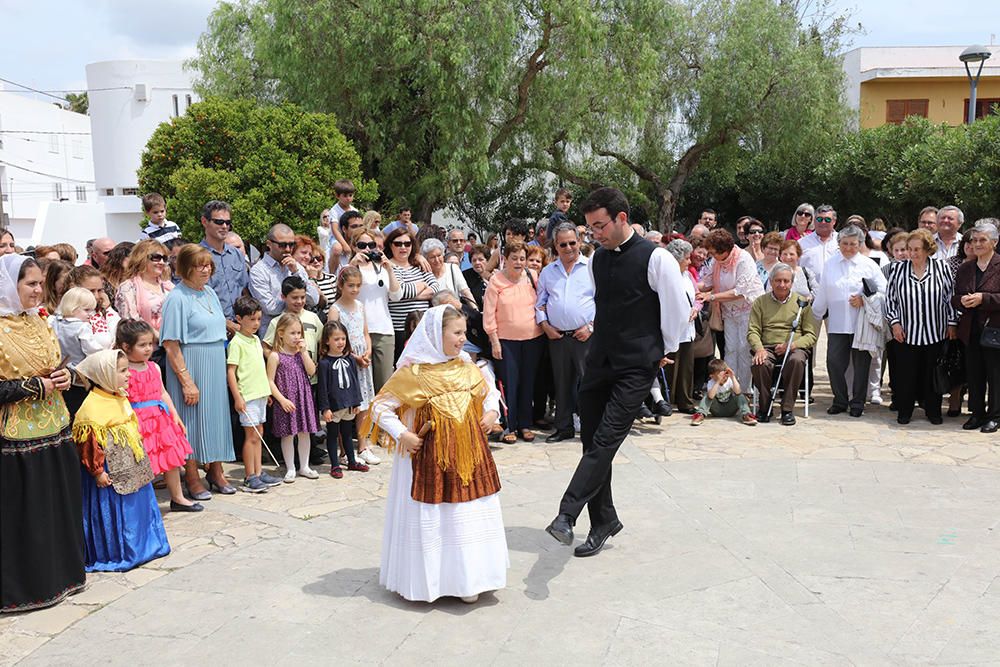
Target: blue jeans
{"type": "Point", "coordinates": [517, 373]}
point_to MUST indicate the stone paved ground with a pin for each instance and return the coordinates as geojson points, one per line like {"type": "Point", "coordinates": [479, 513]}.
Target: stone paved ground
{"type": "Point", "coordinates": [838, 541]}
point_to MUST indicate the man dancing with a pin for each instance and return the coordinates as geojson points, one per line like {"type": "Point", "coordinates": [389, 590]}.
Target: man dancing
{"type": "Point", "coordinates": [641, 313]}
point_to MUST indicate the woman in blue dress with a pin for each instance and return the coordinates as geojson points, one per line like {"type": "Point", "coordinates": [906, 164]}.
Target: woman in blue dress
{"type": "Point", "coordinates": [194, 336]}
{"type": "Point", "coordinates": [122, 528]}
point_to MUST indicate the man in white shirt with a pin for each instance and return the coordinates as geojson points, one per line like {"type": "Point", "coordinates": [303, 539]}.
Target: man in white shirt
{"type": "Point", "coordinates": [948, 239]}
{"type": "Point", "coordinates": [821, 245]}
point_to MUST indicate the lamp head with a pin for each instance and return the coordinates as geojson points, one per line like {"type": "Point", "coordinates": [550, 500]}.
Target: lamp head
{"type": "Point", "coordinates": [975, 54]}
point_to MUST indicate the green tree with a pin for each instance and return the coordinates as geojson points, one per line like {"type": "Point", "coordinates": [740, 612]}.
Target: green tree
{"type": "Point", "coordinates": [438, 96]}
{"type": "Point", "coordinates": [78, 102]}
{"type": "Point", "coordinates": [271, 163]}
{"type": "Point", "coordinates": [730, 79]}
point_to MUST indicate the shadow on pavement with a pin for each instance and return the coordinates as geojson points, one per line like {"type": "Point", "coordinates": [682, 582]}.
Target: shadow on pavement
{"type": "Point", "coordinates": [552, 558]}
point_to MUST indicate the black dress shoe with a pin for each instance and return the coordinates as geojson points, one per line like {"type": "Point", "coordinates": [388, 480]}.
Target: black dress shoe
{"type": "Point", "coordinates": [990, 427]}
{"type": "Point", "coordinates": [663, 409]}
{"type": "Point", "coordinates": [763, 417]}
{"type": "Point", "coordinates": [644, 412]}
{"type": "Point", "coordinates": [787, 419]}
{"type": "Point", "coordinates": [559, 436]}
{"type": "Point", "coordinates": [561, 528]}
{"type": "Point", "coordinates": [856, 412]}
{"type": "Point", "coordinates": [954, 413]}
{"type": "Point", "coordinates": [596, 539]}
{"type": "Point", "coordinates": [900, 419]}
{"type": "Point", "coordinates": [892, 407]}
{"type": "Point", "coordinates": [972, 423]}
{"type": "Point", "coordinates": [835, 410]}
{"type": "Point", "coordinates": [936, 420]}
{"type": "Point", "coordinates": [194, 507]}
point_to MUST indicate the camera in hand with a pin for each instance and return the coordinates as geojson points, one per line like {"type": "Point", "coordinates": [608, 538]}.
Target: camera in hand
{"type": "Point", "coordinates": [374, 256]}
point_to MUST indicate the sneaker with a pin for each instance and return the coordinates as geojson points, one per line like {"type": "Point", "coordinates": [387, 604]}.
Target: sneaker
{"type": "Point", "coordinates": [337, 473]}
{"type": "Point", "coordinates": [369, 457]}
{"type": "Point", "coordinates": [576, 422]}
{"type": "Point", "coordinates": [269, 480]}
{"type": "Point", "coordinates": [876, 399]}
{"type": "Point", "coordinates": [308, 473]}
{"type": "Point", "coordinates": [750, 419]}
{"type": "Point", "coordinates": [290, 476]}
{"type": "Point", "coordinates": [358, 467]}
{"type": "Point", "coordinates": [697, 419]}
{"type": "Point", "coordinates": [343, 459]}
{"type": "Point", "coordinates": [253, 485]}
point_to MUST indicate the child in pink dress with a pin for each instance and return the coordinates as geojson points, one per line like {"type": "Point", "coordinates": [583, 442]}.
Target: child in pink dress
{"type": "Point", "coordinates": [163, 435]}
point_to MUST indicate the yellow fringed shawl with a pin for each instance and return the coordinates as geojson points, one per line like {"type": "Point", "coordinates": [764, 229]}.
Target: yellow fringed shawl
{"type": "Point", "coordinates": [449, 396]}
{"type": "Point", "coordinates": [103, 414]}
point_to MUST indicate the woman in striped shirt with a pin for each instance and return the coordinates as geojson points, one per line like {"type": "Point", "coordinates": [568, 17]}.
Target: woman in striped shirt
{"type": "Point", "coordinates": [418, 285]}
{"type": "Point", "coordinates": [919, 310]}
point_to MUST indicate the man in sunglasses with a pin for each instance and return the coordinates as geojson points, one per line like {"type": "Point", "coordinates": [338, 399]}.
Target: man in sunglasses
{"type": "Point", "coordinates": [267, 274]}
{"type": "Point", "coordinates": [821, 245]}
{"type": "Point", "coordinates": [230, 279]}
{"type": "Point", "coordinates": [565, 311]}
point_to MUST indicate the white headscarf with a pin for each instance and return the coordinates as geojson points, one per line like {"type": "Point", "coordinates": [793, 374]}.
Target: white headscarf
{"type": "Point", "coordinates": [101, 368]}
{"type": "Point", "coordinates": [425, 345]}
{"type": "Point", "coordinates": [10, 300]}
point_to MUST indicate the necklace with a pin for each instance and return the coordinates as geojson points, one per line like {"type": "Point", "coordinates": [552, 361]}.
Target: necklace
{"type": "Point", "coordinates": [201, 302]}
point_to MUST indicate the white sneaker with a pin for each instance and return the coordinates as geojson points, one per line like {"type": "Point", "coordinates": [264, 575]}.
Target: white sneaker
{"type": "Point", "coordinates": [876, 399]}
{"type": "Point", "coordinates": [343, 459]}
{"type": "Point", "coordinates": [470, 599]}
{"type": "Point", "coordinates": [576, 423]}
{"type": "Point", "coordinates": [290, 476]}
{"type": "Point", "coordinates": [309, 473]}
{"type": "Point", "coordinates": [368, 457]}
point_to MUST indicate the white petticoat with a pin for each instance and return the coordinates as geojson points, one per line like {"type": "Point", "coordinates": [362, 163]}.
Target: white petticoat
{"type": "Point", "coordinates": [447, 549]}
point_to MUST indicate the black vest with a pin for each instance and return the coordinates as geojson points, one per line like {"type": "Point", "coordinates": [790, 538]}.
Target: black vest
{"type": "Point", "coordinates": [627, 324]}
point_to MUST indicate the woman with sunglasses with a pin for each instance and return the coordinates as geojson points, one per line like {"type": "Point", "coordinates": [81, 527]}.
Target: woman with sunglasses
{"type": "Point", "coordinates": [379, 287]}
{"type": "Point", "coordinates": [418, 286]}
{"type": "Point", "coordinates": [309, 255]}
{"type": "Point", "coordinates": [755, 238]}
{"type": "Point", "coordinates": [802, 221]}
{"type": "Point", "coordinates": [145, 284]}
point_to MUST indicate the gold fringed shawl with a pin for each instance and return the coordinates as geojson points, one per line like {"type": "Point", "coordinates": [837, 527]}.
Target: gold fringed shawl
{"type": "Point", "coordinates": [110, 420]}
{"type": "Point", "coordinates": [28, 348]}
{"type": "Point", "coordinates": [450, 397]}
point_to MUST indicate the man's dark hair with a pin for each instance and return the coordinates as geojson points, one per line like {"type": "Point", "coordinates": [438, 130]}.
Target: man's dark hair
{"type": "Point", "coordinates": [826, 208]}
{"type": "Point", "coordinates": [246, 306]}
{"type": "Point", "coordinates": [709, 210]}
{"type": "Point", "coordinates": [347, 216]}
{"type": "Point", "coordinates": [612, 200]}
{"type": "Point", "coordinates": [290, 284]}
{"type": "Point", "coordinates": [215, 205]}
{"type": "Point", "coordinates": [405, 209]}
{"type": "Point", "coordinates": [516, 226]}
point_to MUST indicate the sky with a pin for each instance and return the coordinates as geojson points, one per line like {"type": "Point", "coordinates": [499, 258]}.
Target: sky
{"type": "Point", "coordinates": [46, 44]}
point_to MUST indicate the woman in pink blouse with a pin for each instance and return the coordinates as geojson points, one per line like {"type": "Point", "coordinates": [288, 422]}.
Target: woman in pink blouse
{"type": "Point", "coordinates": [516, 338]}
{"type": "Point", "coordinates": [145, 284]}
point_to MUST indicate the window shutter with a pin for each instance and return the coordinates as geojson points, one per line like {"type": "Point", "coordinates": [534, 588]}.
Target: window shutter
{"type": "Point", "coordinates": [895, 111]}
{"type": "Point", "coordinates": [917, 108]}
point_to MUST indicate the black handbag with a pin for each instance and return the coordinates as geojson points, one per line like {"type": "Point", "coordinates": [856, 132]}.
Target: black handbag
{"type": "Point", "coordinates": [990, 338]}
{"type": "Point", "coordinates": [949, 370]}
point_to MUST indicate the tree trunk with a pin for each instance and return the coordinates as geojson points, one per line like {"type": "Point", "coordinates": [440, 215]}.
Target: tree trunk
{"type": "Point", "coordinates": [423, 210]}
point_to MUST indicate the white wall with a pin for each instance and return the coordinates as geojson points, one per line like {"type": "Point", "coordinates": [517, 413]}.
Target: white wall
{"type": "Point", "coordinates": [43, 148]}
{"type": "Point", "coordinates": [128, 100]}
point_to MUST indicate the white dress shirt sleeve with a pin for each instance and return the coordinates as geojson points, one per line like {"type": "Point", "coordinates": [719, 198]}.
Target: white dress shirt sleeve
{"type": "Point", "coordinates": [664, 276]}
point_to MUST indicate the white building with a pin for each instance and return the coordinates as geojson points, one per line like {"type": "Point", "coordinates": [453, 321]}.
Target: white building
{"type": "Point", "coordinates": [45, 157]}
{"type": "Point", "coordinates": [68, 177]}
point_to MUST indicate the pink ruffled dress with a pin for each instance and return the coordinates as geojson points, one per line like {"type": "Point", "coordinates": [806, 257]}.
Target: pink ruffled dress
{"type": "Point", "coordinates": [164, 441]}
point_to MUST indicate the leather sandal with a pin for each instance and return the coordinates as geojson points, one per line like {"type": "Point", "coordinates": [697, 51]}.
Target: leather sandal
{"type": "Point", "coordinates": [527, 434]}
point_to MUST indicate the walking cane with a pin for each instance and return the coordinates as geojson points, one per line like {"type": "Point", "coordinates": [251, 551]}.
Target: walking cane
{"type": "Point", "coordinates": [503, 404]}
{"type": "Point", "coordinates": [788, 348]}
{"type": "Point", "coordinates": [262, 441]}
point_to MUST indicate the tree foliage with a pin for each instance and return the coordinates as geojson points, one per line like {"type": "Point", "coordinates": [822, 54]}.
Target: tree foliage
{"type": "Point", "coordinates": [78, 102]}
{"type": "Point", "coordinates": [271, 163]}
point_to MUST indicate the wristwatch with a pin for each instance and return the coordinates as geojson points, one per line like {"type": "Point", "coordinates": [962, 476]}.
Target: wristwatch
{"type": "Point", "coordinates": [590, 327]}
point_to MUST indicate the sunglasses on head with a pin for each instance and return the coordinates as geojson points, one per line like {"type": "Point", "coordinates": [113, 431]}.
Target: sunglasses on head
{"type": "Point", "coordinates": [402, 244]}
{"type": "Point", "coordinates": [568, 244]}
{"type": "Point", "coordinates": [157, 257]}
{"type": "Point", "coordinates": [805, 213]}
{"type": "Point", "coordinates": [221, 221]}
{"type": "Point", "coordinates": [366, 245]}
{"type": "Point", "coordinates": [285, 244]}
{"type": "Point", "coordinates": [824, 219]}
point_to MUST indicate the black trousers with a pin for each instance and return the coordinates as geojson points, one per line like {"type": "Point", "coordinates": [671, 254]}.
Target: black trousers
{"type": "Point", "coordinates": [915, 379]}
{"type": "Point", "coordinates": [545, 388]}
{"type": "Point", "coordinates": [569, 357]}
{"type": "Point", "coordinates": [608, 403]}
{"type": "Point", "coordinates": [982, 369]}
{"type": "Point", "coordinates": [839, 354]}
{"type": "Point", "coordinates": [517, 373]}
{"type": "Point", "coordinates": [680, 377]}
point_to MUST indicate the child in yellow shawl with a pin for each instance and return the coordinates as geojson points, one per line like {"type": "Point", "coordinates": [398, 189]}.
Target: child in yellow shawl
{"type": "Point", "coordinates": [122, 527]}
{"type": "Point", "coordinates": [444, 533]}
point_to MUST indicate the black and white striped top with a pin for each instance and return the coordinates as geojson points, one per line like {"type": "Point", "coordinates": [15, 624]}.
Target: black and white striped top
{"type": "Point", "coordinates": [408, 277]}
{"type": "Point", "coordinates": [921, 306]}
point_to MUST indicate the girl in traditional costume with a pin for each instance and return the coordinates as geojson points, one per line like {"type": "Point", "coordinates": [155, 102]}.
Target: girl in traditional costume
{"type": "Point", "coordinates": [121, 521]}
{"type": "Point", "coordinates": [41, 536]}
{"type": "Point", "coordinates": [444, 533]}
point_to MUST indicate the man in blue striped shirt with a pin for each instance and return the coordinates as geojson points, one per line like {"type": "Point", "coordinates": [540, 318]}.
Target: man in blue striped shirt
{"type": "Point", "coordinates": [565, 310]}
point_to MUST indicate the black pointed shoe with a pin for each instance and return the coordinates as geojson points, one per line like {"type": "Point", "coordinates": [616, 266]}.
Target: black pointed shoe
{"type": "Point", "coordinates": [596, 539]}
{"type": "Point", "coordinates": [561, 528]}
{"type": "Point", "coordinates": [559, 436]}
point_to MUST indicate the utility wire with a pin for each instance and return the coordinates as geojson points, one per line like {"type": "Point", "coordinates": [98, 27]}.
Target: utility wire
{"type": "Point", "coordinates": [42, 173]}
{"type": "Point", "coordinates": [34, 90]}
{"type": "Point", "coordinates": [40, 132]}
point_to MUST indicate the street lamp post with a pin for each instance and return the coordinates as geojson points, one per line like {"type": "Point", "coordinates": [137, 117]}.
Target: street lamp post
{"type": "Point", "coordinates": [974, 54]}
